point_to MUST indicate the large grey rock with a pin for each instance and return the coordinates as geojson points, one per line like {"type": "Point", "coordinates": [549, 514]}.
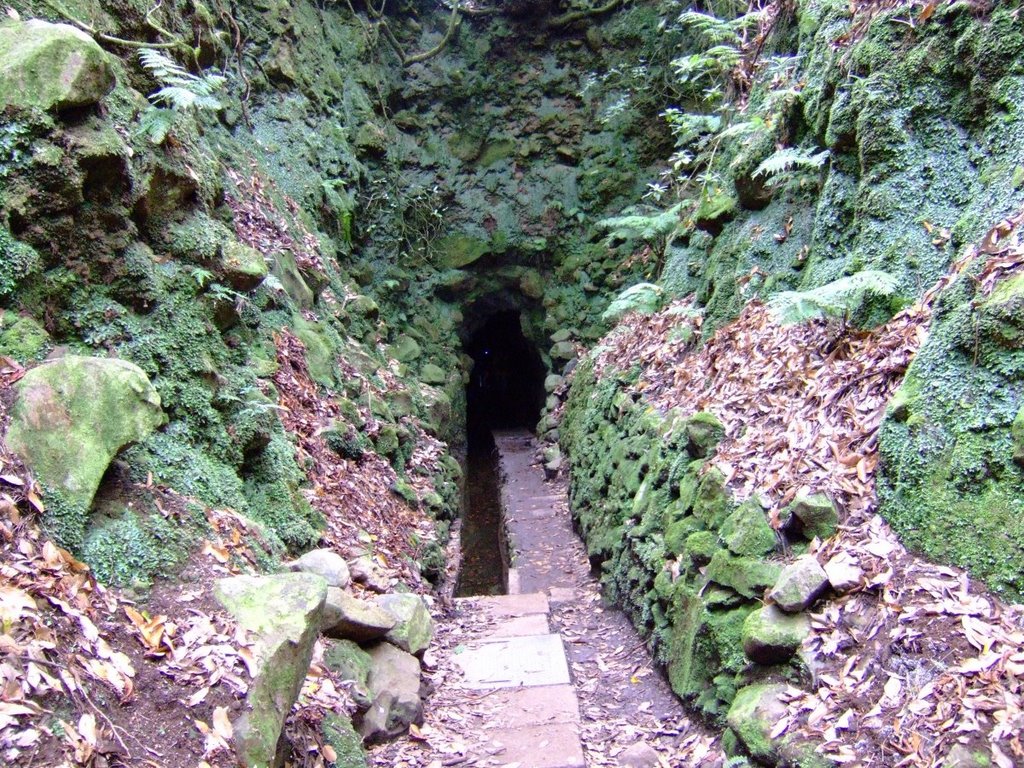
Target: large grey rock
{"type": "Point", "coordinates": [799, 585]}
{"type": "Point", "coordinates": [283, 614]}
{"type": "Point", "coordinates": [326, 563]}
{"type": "Point", "coordinates": [348, 617]}
{"type": "Point", "coordinates": [552, 382]}
{"type": "Point", "coordinates": [415, 628]}
{"type": "Point", "coordinates": [70, 418]}
{"type": "Point", "coordinates": [51, 66]}
{"type": "Point", "coordinates": [770, 636]}
{"type": "Point", "coordinates": [394, 683]}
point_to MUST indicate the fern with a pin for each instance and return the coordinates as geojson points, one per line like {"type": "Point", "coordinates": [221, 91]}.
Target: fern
{"type": "Point", "coordinates": [181, 89]}
{"type": "Point", "coordinates": [650, 227]}
{"type": "Point", "coordinates": [788, 158]}
{"type": "Point", "coordinates": [837, 299]}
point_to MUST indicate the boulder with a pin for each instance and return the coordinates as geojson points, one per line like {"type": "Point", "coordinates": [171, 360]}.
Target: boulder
{"type": "Point", "coordinates": [563, 350]}
{"type": "Point", "coordinates": [415, 628]}
{"type": "Point", "coordinates": [812, 516]}
{"type": "Point", "coordinates": [326, 563]}
{"type": "Point", "coordinates": [799, 585]}
{"type": "Point", "coordinates": [395, 687]}
{"type": "Point", "coordinates": [70, 418]}
{"type": "Point", "coordinates": [51, 66]}
{"type": "Point", "coordinates": [772, 637]}
{"type": "Point", "coordinates": [350, 618]}
{"type": "Point", "coordinates": [283, 614]}
{"type": "Point", "coordinates": [406, 349]}
{"type": "Point", "coordinates": [352, 665]}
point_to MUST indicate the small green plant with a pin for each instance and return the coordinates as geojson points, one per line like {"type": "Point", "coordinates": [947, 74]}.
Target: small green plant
{"type": "Point", "coordinates": [838, 299]}
{"type": "Point", "coordinates": [790, 158]}
{"type": "Point", "coordinates": [180, 92]}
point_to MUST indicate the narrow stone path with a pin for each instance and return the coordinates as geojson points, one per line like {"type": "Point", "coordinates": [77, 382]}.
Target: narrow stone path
{"type": "Point", "coordinates": [546, 676]}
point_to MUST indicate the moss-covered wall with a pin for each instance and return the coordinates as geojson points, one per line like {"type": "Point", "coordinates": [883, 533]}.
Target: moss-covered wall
{"type": "Point", "coordinates": [686, 563]}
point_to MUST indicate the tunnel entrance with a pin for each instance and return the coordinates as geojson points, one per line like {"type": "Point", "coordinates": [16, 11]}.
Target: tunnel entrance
{"type": "Point", "coordinates": [506, 388]}
{"type": "Point", "coordinates": [505, 391]}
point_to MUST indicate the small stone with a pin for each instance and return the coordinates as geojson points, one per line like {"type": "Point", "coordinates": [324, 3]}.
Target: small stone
{"type": "Point", "coordinates": [552, 382]}
{"type": "Point", "coordinates": [799, 585]}
{"type": "Point", "coordinates": [563, 350]}
{"type": "Point", "coordinates": [350, 618]}
{"type": "Point", "coordinates": [414, 629]}
{"type": "Point", "coordinates": [814, 516]}
{"type": "Point", "coordinates": [640, 755]}
{"type": "Point", "coordinates": [326, 563]}
{"type": "Point", "coordinates": [843, 572]}
{"type": "Point", "coordinates": [772, 637]}
{"type": "Point", "coordinates": [406, 349]}
{"type": "Point", "coordinates": [243, 266]}
{"type": "Point", "coordinates": [365, 571]}
{"type": "Point", "coordinates": [964, 757]}
{"type": "Point", "coordinates": [562, 334]}
{"type": "Point", "coordinates": [394, 683]}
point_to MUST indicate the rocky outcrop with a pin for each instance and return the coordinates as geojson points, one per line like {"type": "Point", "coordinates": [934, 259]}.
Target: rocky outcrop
{"type": "Point", "coordinates": [71, 417]}
{"type": "Point", "coordinates": [283, 613]}
{"type": "Point", "coordinates": [51, 66]}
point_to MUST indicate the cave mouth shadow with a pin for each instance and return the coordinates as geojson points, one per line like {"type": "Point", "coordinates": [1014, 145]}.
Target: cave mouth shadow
{"type": "Point", "coordinates": [506, 386]}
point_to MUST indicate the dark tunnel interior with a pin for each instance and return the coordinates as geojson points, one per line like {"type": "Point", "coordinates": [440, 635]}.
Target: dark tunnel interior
{"type": "Point", "coordinates": [506, 388]}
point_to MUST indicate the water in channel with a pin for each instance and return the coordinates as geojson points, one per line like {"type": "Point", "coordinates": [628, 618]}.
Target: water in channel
{"type": "Point", "coordinates": [483, 565]}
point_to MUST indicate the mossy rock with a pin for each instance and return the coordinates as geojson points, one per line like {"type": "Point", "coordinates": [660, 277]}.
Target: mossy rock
{"type": "Point", "coordinates": [71, 417]}
{"type": "Point", "coordinates": [21, 337]}
{"type": "Point", "coordinates": [700, 547]}
{"type": "Point", "coordinates": [457, 251]}
{"type": "Point", "coordinates": [753, 715]}
{"type": "Point", "coordinates": [772, 637]}
{"type": "Point", "coordinates": [51, 66]}
{"type": "Point", "coordinates": [703, 433]}
{"type": "Point", "coordinates": [711, 500]}
{"type": "Point", "coordinates": [747, 576]}
{"type": "Point", "coordinates": [811, 516]}
{"type": "Point", "coordinates": [746, 531]}
{"type": "Point", "coordinates": [342, 737]}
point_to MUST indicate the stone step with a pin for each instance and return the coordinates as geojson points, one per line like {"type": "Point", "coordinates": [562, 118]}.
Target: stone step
{"type": "Point", "coordinates": [514, 662]}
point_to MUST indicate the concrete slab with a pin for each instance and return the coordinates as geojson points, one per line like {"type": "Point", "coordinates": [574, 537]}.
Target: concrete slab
{"type": "Point", "coordinates": [513, 662]}
{"type": "Point", "coordinates": [558, 595]}
{"type": "Point", "coordinates": [519, 626]}
{"type": "Point", "coordinates": [508, 606]}
{"type": "Point", "coordinates": [539, 746]}
{"type": "Point", "coordinates": [537, 705]}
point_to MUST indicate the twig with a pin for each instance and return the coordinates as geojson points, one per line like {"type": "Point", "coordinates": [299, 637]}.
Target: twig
{"type": "Point", "coordinates": [573, 16]}
{"type": "Point", "coordinates": [60, 10]}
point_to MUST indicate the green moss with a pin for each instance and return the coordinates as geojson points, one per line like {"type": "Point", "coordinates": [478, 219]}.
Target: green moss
{"type": "Point", "coordinates": [131, 549]}
{"type": "Point", "coordinates": [746, 531]}
{"type": "Point", "coordinates": [22, 337]}
{"type": "Point", "coordinates": [17, 262]}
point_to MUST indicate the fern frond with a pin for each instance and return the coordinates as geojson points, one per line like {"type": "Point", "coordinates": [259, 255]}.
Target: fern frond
{"type": "Point", "coordinates": [789, 158]}
{"type": "Point", "coordinates": [839, 298]}
{"type": "Point", "coordinates": [711, 28]}
{"type": "Point", "coordinates": [643, 227]}
{"type": "Point", "coordinates": [181, 89]}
